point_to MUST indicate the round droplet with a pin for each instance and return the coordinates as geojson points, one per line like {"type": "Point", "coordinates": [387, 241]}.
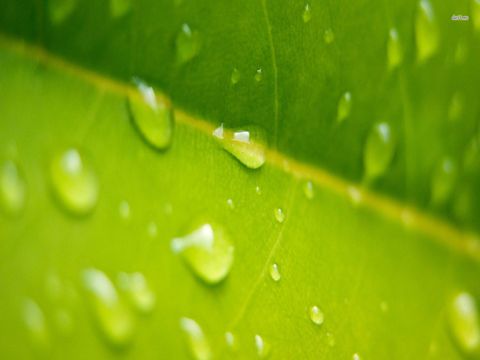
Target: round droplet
{"type": "Point", "coordinates": [124, 210]}
{"type": "Point", "coordinates": [316, 315]}
{"type": "Point", "coordinates": [464, 323]}
{"type": "Point", "coordinates": [12, 188]}
{"type": "Point", "coordinates": [35, 323]}
{"type": "Point", "coordinates": [60, 10]}
{"type": "Point", "coordinates": [230, 339]}
{"type": "Point", "coordinates": [427, 34]}
{"type": "Point", "coordinates": [151, 115]}
{"type": "Point", "coordinates": [119, 8]}
{"type": "Point", "coordinates": [196, 339]}
{"type": "Point", "coordinates": [263, 348]}
{"type": "Point", "coordinates": [328, 36]}
{"type": "Point", "coordinates": [275, 273]}
{"type": "Point", "coordinates": [456, 107]}
{"type": "Point", "coordinates": [394, 49]}
{"type": "Point", "coordinates": [279, 215]}
{"type": "Point", "coordinates": [187, 44]}
{"type": "Point", "coordinates": [111, 314]}
{"type": "Point", "coordinates": [246, 144]}
{"type": "Point", "coordinates": [74, 182]}
{"type": "Point", "coordinates": [207, 250]}
{"type": "Point", "coordinates": [379, 151]}
{"type": "Point", "coordinates": [230, 204]}
{"type": "Point", "coordinates": [308, 190]}
{"type": "Point", "coordinates": [235, 77]}
{"type": "Point", "coordinates": [443, 181]}
{"type": "Point", "coordinates": [136, 289]}
{"type": "Point", "coordinates": [307, 13]}
{"type": "Point", "coordinates": [344, 107]}
{"type": "Point", "coordinates": [258, 75]}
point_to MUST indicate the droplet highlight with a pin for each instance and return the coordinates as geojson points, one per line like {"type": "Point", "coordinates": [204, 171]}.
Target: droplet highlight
{"type": "Point", "coordinates": [262, 347]}
{"type": "Point", "coordinates": [258, 75]}
{"type": "Point", "coordinates": [137, 291]}
{"type": "Point", "coordinates": [379, 151]}
{"type": "Point", "coordinates": [443, 181]}
{"type": "Point", "coordinates": [307, 13]}
{"type": "Point", "coordinates": [279, 215]}
{"type": "Point", "coordinates": [344, 107]}
{"type": "Point", "coordinates": [13, 189]}
{"type": "Point", "coordinates": [328, 36]}
{"type": "Point", "coordinates": [35, 323]}
{"type": "Point", "coordinates": [188, 44]}
{"type": "Point", "coordinates": [308, 190]}
{"type": "Point", "coordinates": [427, 34]}
{"type": "Point", "coordinates": [394, 49]}
{"type": "Point", "coordinates": [235, 77]}
{"type": "Point", "coordinates": [197, 341]}
{"type": "Point", "coordinates": [316, 315]}
{"type": "Point", "coordinates": [275, 273]}
{"type": "Point", "coordinates": [464, 323]}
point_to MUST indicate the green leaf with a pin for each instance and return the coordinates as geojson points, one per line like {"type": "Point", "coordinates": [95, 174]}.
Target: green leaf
{"type": "Point", "coordinates": [280, 179]}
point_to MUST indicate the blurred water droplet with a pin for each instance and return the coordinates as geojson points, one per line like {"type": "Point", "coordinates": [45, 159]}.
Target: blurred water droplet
{"type": "Point", "coordinates": [316, 315]}
{"type": "Point", "coordinates": [379, 151]}
{"type": "Point", "coordinates": [355, 195]}
{"type": "Point", "coordinates": [475, 11]}
{"type": "Point", "coordinates": [258, 75]}
{"type": "Point", "coordinates": [196, 339]}
{"type": "Point", "coordinates": [74, 182]}
{"type": "Point", "coordinates": [263, 348]}
{"type": "Point", "coordinates": [60, 10]}
{"type": "Point", "coordinates": [111, 314]}
{"type": "Point", "coordinates": [279, 215]}
{"type": "Point", "coordinates": [456, 107]}
{"type": "Point", "coordinates": [427, 34]}
{"type": "Point", "coordinates": [137, 291]}
{"type": "Point", "coordinates": [246, 144]}
{"type": "Point", "coordinates": [356, 357]}
{"type": "Point", "coordinates": [344, 106]}
{"type": "Point", "coordinates": [394, 49]}
{"type": "Point", "coordinates": [152, 116]}
{"type": "Point", "coordinates": [443, 181]}
{"type": "Point", "coordinates": [13, 190]}
{"type": "Point", "coordinates": [275, 273]}
{"type": "Point", "coordinates": [330, 339]}
{"type": "Point", "coordinates": [235, 77]}
{"type": "Point", "coordinates": [307, 13]}
{"type": "Point", "coordinates": [207, 250]}
{"type": "Point", "coordinates": [188, 44]}
{"type": "Point", "coordinates": [230, 339]}
{"type": "Point", "coordinates": [64, 322]}
{"type": "Point", "coordinates": [230, 204]}
{"type": "Point", "coordinates": [119, 8]}
{"type": "Point", "coordinates": [258, 190]}
{"type": "Point", "coordinates": [36, 324]}
{"type": "Point", "coordinates": [464, 323]}
{"type": "Point", "coordinates": [328, 36]}
{"type": "Point", "coordinates": [152, 229]}
{"type": "Point", "coordinates": [124, 209]}
{"type": "Point", "coordinates": [308, 190]}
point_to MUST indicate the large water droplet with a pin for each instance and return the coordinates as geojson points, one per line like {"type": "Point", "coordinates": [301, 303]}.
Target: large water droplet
{"type": "Point", "coordinates": [344, 106]}
{"type": "Point", "coordinates": [152, 116]}
{"type": "Point", "coordinates": [308, 190]}
{"type": "Point", "coordinates": [138, 292]}
{"type": "Point", "coordinates": [12, 188]}
{"type": "Point", "coordinates": [379, 151]}
{"type": "Point", "coordinates": [275, 273]}
{"type": "Point", "coordinates": [263, 348]}
{"type": "Point", "coordinates": [235, 77]}
{"type": "Point", "coordinates": [187, 43]}
{"type": "Point", "coordinates": [464, 322]}
{"type": "Point", "coordinates": [112, 315]}
{"type": "Point", "coordinates": [279, 215]}
{"type": "Point", "coordinates": [246, 144]}
{"type": "Point", "coordinates": [119, 8]}
{"type": "Point", "coordinates": [207, 250]}
{"type": "Point", "coordinates": [443, 181]}
{"type": "Point", "coordinates": [394, 49]}
{"type": "Point", "coordinates": [36, 325]}
{"type": "Point", "coordinates": [328, 36]}
{"type": "Point", "coordinates": [316, 315]}
{"type": "Point", "coordinates": [307, 13]}
{"type": "Point", "coordinates": [74, 182]}
{"type": "Point", "coordinates": [196, 339]}
{"type": "Point", "coordinates": [427, 34]}
{"type": "Point", "coordinates": [60, 10]}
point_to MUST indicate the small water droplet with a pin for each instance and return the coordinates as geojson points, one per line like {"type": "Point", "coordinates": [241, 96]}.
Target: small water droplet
{"type": "Point", "coordinates": [258, 75]}
{"type": "Point", "coordinates": [124, 210]}
{"type": "Point", "coordinates": [258, 190]}
{"type": "Point", "coordinates": [152, 116]}
{"type": "Point", "coordinates": [328, 36]}
{"type": "Point", "coordinates": [456, 107]}
{"type": "Point", "coordinates": [246, 144]}
{"type": "Point", "coordinates": [394, 49]}
{"type": "Point", "coordinates": [279, 215]}
{"type": "Point", "coordinates": [443, 181]}
{"type": "Point", "coordinates": [344, 107]}
{"type": "Point", "coordinates": [196, 339]}
{"type": "Point", "coordinates": [230, 204]}
{"type": "Point", "coordinates": [207, 250]}
{"type": "Point", "coordinates": [316, 315]}
{"type": "Point", "coordinates": [60, 10]}
{"type": "Point", "coordinates": [307, 13]}
{"type": "Point", "coordinates": [427, 34]}
{"type": "Point", "coordinates": [356, 357]}
{"type": "Point", "coordinates": [308, 190]}
{"type": "Point", "coordinates": [263, 348]}
{"type": "Point", "coordinates": [475, 11]}
{"type": "Point", "coordinates": [152, 229]}
{"type": "Point", "coordinates": [464, 322]}
{"type": "Point", "coordinates": [119, 8]}
{"type": "Point", "coordinates": [355, 195]}
{"type": "Point", "coordinates": [230, 339]}
{"type": "Point", "coordinates": [111, 314]}
{"type": "Point", "coordinates": [379, 151]}
{"type": "Point", "coordinates": [188, 44]}
{"type": "Point", "coordinates": [275, 273]}
{"type": "Point", "coordinates": [235, 77]}
{"type": "Point", "coordinates": [12, 188]}
{"type": "Point", "coordinates": [36, 325]}
{"type": "Point", "coordinates": [74, 182]}
{"type": "Point", "coordinates": [330, 339]}
{"type": "Point", "coordinates": [138, 292]}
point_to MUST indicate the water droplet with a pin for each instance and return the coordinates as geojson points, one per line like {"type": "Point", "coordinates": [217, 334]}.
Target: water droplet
{"type": "Point", "coordinates": [456, 107]}
{"type": "Point", "coordinates": [124, 210]}
{"type": "Point", "coordinates": [60, 10]}
{"type": "Point", "coordinates": [356, 357]}
{"type": "Point", "coordinates": [119, 8]}
{"type": "Point", "coordinates": [379, 151]}
{"type": "Point", "coordinates": [344, 107]}
{"type": "Point", "coordinates": [330, 339]}
{"type": "Point", "coordinates": [12, 188]}
{"type": "Point", "coordinates": [355, 195]}
{"type": "Point", "coordinates": [246, 144]}
{"type": "Point", "coordinates": [36, 325]}
{"type": "Point", "coordinates": [188, 44]}
{"type": "Point", "coordinates": [152, 116]}
{"type": "Point", "coordinates": [235, 77]}
{"type": "Point", "coordinates": [279, 215]}
{"type": "Point", "coordinates": [197, 341]}
{"type": "Point", "coordinates": [328, 36]}
{"type": "Point", "coordinates": [138, 292]}
{"type": "Point", "coordinates": [443, 181]}
{"type": "Point", "coordinates": [263, 348]}
{"type": "Point", "coordinates": [426, 31]}
{"type": "Point", "coordinates": [230, 339]}
{"type": "Point", "coordinates": [258, 190]}
{"type": "Point", "coordinates": [394, 49]}
{"type": "Point", "coordinates": [307, 13]}
{"type": "Point", "coordinates": [308, 190]}
{"type": "Point", "coordinates": [207, 250]}
{"type": "Point", "coordinates": [464, 323]}
{"type": "Point", "coordinates": [230, 204]}
{"type": "Point", "coordinates": [112, 315]}
{"type": "Point", "coordinates": [258, 75]}
{"type": "Point", "coordinates": [316, 315]}
{"type": "Point", "coordinates": [275, 273]}
{"type": "Point", "coordinates": [475, 11]}
{"type": "Point", "coordinates": [152, 229]}
{"type": "Point", "coordinates": [74, 182]}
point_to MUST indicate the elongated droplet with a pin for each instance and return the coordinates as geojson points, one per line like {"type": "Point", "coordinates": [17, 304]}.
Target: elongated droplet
{"type": "Point", "coordinates": [196, 339]}
{"type": "Point", "coordinates": [230, 339]}
{"type": "Point", "coordinates": [427, 34]}
{"type": "Point", "coordinates": [137, 291]}
{"type": "Point", "coordinates": [188, 44]}
{"type": "Point", "coordinates": [394, 49]}
{"type": "Point", "coordinates": [60, 10]}
{"type": "Point", "coordinates": [152, 116]}
{"type": "Point", "coordinates": [258, 75]}
{"type": "Point", "coordinates": [464, 323]}
{"type": "Point", "coordinates": [111, 314]}
{"type": "Point", "coordinates": [119, 8]}
{"type": "Point", "coordinates": [279, 215]}
{"type": "Point", "coordinates": [308, 190]}
{"type": "Point", "coordinates": [443, 181]}
{"type": "Point", "coordinates": [316, 315]}
{"type": "Point", "coordinates": [475, 10]}
{"type": "Point", "coordinates": [344, 107]}
{"type": "Point", "coordinates": [275, 273]}
{"type": "Point", "coordinates": [379, 151]}
{"type": "Point", "coordinates": [207, 250]}
{"type": "Point", "coordinates": [356, 357]}
{"type": "Point", "coordinates": [307, 13]}
{"type": "Point", "coordinates": [35, 323]}
{"type": "Point", "coordinates": [12, 188]}
{"type": "Point", "coordinates": [246, 144]}
{"type": "Point", "coordinates": [263, 348]}
{"type": "Point", "coordinates": [74, 182]}
{"type": "Point", "coordinates": [328, 36]}
{"type": "Point", "coordinates": [235, 77]}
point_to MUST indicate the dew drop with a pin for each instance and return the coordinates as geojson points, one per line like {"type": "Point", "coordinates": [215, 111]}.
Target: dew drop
{"type": "Point", "coordinates": [230, 339]}
{"type": "Point", "coordinates": [308, 190]}
{"type": "Point", "coordinates": [207, 250]}
{"type": "Point", "coordinates": [394, 49]}
{"type": "Point", "coordinates": [344, 107]}
{"type": "Point", "coordinates": [74, 182]}
{"type": "Point", "coordinates": [111, 314]}
{"type": "Point", "coordinates": [35, 323]}
{"type": "Point", "coordinates": [60, 10]}
{"type": "Point", "coordinates": [356, 357]}
{"type": "Point", "coordinates": [475, 11]}
{"type": "Point", "coordinates": [119, 8]}
{"type": "Point", "coordinates": [316, 315]}
{"type": "Point", "coordinates": [307, 13]}
{"type": "Point", "coordinates": [379, 151]}
{"type": "Point", "coordinates": [464, 322]}
{"type": "Point", "coordinates": [426, 31]}
{"type": "Point", "coordinates": [235, 77]}
{"type": "Point", "coordinates": [328, 36]}
{"type": "Point", "coordinates": [279, 215]}
{"type": "Point", "coordinates": [443, 181]}
{"type": "Point", "coordinates": [258, 75]}
{"type": "Point", "coordinates": [12, 188]}
{"type": "Point", "coordinates": [124, 210]}
{"type": "Point", "coordinates": [246, 144]}
{"type": "Point", "coordinates": [152, 116]}
{"type": "Point", "coordinates": [230, 204]}
{"type": "Point", "coordinates": [258, 190]}
{"type": "Point", "coordinates": [152, 229]}
{"type": "Point", "coordinates": [196, 339]}
{"type": "Point", "coordinates": [187, 44]}
{"type": "Point", "coordinates": [263, 348]}
{"type": "Point", "coordinates": [275, 273]}
{"type": "Point", "coordinates": [137, 291]}
{"type": "Point", "coordinates": [355, 195]}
